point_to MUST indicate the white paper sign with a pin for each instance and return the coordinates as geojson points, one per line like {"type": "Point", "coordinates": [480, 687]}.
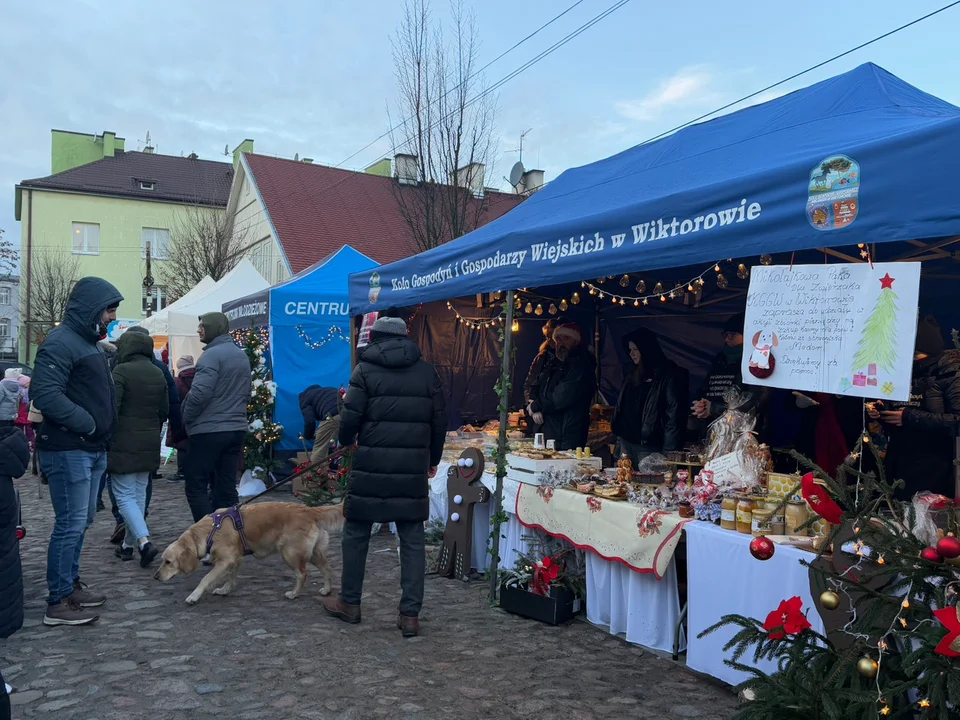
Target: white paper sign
{"type": "Point", "coordinates": [726, 467]}
{"type": "Point", "coordinates": [846, 329]}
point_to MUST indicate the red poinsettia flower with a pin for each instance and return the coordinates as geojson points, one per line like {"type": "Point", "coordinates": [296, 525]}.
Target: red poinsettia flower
{"type": "Point", "coordinates": [788, 619]}
{"type": "Point", "coordinates": [950, 619]}
{"type": "Point", "coordinates": [820, 501]}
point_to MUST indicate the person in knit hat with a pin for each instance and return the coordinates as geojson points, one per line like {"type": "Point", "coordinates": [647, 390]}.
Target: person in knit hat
{"type": "Point", "coordinates": [922, 433]}
{"type": "Point", "coordinates": [561, 397]}
{"type": "Point", "coordinates": [395, 413]}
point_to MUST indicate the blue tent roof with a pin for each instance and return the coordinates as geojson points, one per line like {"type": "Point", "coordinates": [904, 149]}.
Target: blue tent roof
{"type": "Point", "coordinates": [860, 158]}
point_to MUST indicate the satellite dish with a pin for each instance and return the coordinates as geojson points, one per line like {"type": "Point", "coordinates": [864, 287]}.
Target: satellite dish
{"type": "Point", "coordinates": [516, 174]}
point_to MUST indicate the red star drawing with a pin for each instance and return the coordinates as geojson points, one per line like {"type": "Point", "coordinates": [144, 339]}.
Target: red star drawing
{"type": "Point", "coordinates": [886, 282]}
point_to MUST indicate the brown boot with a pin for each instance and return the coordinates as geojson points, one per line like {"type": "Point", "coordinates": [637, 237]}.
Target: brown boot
{"type": "Point", "coordinates": [409, 626]}
{"type": "Point", "coordinates": [339, 609]}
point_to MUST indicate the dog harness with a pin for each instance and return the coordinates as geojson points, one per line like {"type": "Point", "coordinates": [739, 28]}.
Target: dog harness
{"type": "Point", "coordinates": [233, 513]}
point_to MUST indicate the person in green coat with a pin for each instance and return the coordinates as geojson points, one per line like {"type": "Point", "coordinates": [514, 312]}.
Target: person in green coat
{"type": "Point", "coordinates": [143, 404]}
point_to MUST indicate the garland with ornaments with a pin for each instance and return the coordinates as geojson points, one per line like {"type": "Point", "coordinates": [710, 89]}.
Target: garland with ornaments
{"type": "Point", "coordinates": [334, 333]}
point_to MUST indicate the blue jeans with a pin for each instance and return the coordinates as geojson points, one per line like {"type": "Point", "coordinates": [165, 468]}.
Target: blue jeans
{"type": "Point", "coordinates": [131, 493]}
{"type": "Point", "coordinates": [105, 482]}
{"type": "Point", "coordinates": [74, 479]}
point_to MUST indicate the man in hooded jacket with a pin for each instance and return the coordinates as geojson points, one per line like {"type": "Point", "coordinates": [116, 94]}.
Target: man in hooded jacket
{"type": "Point", "coordinates": [73, 389]}
{"type": "Point", "coordinates": [650, 413]}
{"type": "Point", "coordinates": [214, 414]}
{"type": "Point", "coordinates": [395, 412]}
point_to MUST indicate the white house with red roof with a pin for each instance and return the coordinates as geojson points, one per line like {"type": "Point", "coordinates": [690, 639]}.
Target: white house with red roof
{"type": "Point", "coordinates": [293, 213]}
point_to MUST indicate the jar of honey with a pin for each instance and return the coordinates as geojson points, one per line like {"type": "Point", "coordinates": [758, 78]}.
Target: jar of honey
{"type": "Point", "coordinates": [777, 517]}
{"type": "Point", "coordinates": [728, 513]}
{"type": "Point", "coordinates": [745, 508]}
{"type": "Point", "coordinates": [760, 523]}
{"type": "Point", "coordinates": [796, 515]}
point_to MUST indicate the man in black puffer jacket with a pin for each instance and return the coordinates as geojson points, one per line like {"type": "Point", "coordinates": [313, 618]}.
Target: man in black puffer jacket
{"type": "Point", "coordinates": [396, 414]}
{"type": "Point", "coordinates": [14, 457]}
{"type": "Point", "coordinates": [73, 390]}
{"type": "Point", "coordinates": [922, 432]}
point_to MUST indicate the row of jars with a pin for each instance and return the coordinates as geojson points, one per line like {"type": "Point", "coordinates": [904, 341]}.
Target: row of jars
{"type": "Point", "coordinates": [758, 515]}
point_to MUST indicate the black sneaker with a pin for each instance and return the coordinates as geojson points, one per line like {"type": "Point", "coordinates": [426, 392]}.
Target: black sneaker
{"type": "Point", "coordinates": [178, 477]}
{"type": "Point", "coordinates": [69, 612]}
{"type": "Point", "coordinates": [124, 553]}
{"type": "Point", "coordinates": [147, 553]}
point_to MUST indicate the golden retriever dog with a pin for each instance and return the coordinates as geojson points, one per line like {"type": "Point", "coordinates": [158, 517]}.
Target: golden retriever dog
{"type": "Point", "coordinates": [298, 533]}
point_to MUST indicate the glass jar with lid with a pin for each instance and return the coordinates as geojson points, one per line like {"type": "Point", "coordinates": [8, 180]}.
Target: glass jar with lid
{"type": "Point", "coordinates": [796, 514]}
{"type": "Point", "coordinates": [745, 507]}
{"type": "Point", "coordinates": [728, 513]}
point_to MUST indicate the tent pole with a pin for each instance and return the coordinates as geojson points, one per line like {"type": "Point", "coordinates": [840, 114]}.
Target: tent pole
{"type": "Point", "coordinates": [496, 518]}
{"type": "Point", "coordinates": [353, 340]}
{"type": "Point", "coordinates": [596, 345]}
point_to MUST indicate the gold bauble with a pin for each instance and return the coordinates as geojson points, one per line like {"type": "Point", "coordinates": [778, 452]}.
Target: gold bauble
{"type": "Point", "coordinates": [867, 667]}
{"type": "Point", "coordinates": [829, 600]}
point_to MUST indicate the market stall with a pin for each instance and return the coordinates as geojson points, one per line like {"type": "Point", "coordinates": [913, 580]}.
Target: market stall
{"type": "Point", "coordinates": [307, 317]}
{"type": "Point", "coordinates": [858, 168]}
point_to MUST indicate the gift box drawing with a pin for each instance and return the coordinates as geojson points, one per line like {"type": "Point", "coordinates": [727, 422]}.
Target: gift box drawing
{"type": "Point", "coordinates": [872, 369]}
{"type": "Point", "coordinates": [872, 382]}
{"type": "Point", "coordinates": [860, 380]}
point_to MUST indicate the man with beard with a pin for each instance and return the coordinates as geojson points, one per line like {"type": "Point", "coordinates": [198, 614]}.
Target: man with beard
{"type": "Point", "coordinates": [560, 399]}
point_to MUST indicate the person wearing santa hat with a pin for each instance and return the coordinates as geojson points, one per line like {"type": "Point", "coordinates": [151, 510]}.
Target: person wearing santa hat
{"type": "Point", "coordinates": [561, 397]}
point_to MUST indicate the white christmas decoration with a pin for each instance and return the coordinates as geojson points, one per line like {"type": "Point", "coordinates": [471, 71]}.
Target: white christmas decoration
{"type": "Point", "coordinates": [457, 499]}
{"type": "Point", "coordinates": [455, 517]}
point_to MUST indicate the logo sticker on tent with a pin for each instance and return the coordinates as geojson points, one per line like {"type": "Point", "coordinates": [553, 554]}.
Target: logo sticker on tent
{"type": "Point", "coordinates": [832, 194]}
{"type": "Point", "coordinates": [374, 288]}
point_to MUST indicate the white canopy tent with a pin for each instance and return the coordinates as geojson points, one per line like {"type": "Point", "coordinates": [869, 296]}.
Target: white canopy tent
{"type": "Point", "coordinates": [158, 323]}
{"type": "Point", "coordinates": [182, 318]}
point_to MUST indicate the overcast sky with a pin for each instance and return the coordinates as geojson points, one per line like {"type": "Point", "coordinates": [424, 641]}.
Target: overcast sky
{"type": "Point", "coordinates": [316, 78]}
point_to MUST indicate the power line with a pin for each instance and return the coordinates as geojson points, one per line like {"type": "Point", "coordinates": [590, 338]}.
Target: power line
{"type": "Point", "coordinates": [801, 73]}
{"type": "Point", "coordinates": [468, 79]}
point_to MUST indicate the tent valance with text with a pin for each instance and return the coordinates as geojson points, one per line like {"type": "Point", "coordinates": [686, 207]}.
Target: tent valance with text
{"type": "Point", "coordinates": [863, 157]}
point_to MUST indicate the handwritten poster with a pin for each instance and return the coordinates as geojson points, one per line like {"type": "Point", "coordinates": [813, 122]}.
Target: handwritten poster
{"type": "Point", "coordinates": [841, 329]}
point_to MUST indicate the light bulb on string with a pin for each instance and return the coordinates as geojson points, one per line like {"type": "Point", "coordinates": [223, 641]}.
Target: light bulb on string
{"type": "Point", "coordinates": [625, 281]}
{"type": "Point", "coordinates": [658, 288]}
{"type": "Point", "coordinates": [516, 326]}
{"type": "Point", "coordinates": [722, 281]}
{"type": "Point", "coordinates": [716, 268]}
{"type": "Point", "coordinates": [615, 300]}
{"type": "Point", "coordinates": [552, 309]}
{"type": "Point", "coordinates": [528, 308]}
{"type": "Point", "coordinates": [690, 288]}
{"type": "Point", "coordinates": [539, 311]}
{"type": "Point", "coordinates": [636, 303]}
{"type": "Point", "coordinates": [766, 260]}
{"type": "Point", "coordinates": [742, 272]}
{"type": "Point", "coordinates": [663, 298]}
{"type": "Point", "coordinates": [642, 286]}
{"type": "Point", "coordinates": [563, 305]}
{"type": "Point", "coordinates": [601, 281]}
{"type": "Point", "coordinates": [593, 291]}
{"type": "Point", "coordinates": [575, 299]}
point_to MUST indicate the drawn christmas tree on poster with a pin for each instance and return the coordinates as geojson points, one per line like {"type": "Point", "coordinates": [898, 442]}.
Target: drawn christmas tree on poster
{"type": "Point", "coordinates": [878, 342]}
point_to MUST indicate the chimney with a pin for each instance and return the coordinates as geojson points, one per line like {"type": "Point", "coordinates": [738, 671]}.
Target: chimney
{"type": "Point", "coordinates": [406, 169]}
{"type": "Point", "coordinates": [109, 143]}
{"type": "Point", "coordinates": [531, 181]}
{"type": "Point", "coordinates": [470, 177]}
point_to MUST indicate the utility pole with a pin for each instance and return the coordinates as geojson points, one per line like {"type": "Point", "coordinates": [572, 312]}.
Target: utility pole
{"type": "Point", "coordinates": [148, 283]}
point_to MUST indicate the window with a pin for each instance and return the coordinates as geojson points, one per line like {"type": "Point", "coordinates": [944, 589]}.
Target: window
{"type": "Point", "coordinates": [4, 296]}
{"type": "Point", "coordinates": [86, 239]}
{"type": "Point", "coordinates": [147, 185]}
{"type": "Point", "coordinates": [4, 327]}
{"type": "Point", "coordinates": [157, 300]}
{"type": "Point", "coordinates": [159, 243]}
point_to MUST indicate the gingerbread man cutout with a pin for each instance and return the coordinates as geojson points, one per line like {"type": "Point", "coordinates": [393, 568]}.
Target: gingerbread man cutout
{"type": "Point", "coordinates": [462, 495]}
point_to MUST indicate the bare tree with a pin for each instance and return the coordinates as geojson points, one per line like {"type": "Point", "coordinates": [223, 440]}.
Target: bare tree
{"type": "Point", "coordinates": [203, 241]}
{"type": "Point", "coordinates": [9, 257]}
{"type": "Point", "coordinates": [53, 274]}
{"type": "Point", "coordinates": [447, 123]}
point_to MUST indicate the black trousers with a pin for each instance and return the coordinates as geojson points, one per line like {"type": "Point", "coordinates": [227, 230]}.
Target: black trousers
{"type": "Point", "coordinates": [213, 462]}
{"type": "Point", "coordinates": [413, 563]}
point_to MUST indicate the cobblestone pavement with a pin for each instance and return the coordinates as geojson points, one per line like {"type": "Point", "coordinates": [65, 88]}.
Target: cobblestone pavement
{"type": "Point", "coordinates": [255, 654]}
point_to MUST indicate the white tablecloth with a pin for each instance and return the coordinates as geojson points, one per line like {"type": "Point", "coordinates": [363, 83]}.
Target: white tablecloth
{"type": "Point", "coordinates": [724, 579]}
{"type": "Point", "coordinates": [638, 605]}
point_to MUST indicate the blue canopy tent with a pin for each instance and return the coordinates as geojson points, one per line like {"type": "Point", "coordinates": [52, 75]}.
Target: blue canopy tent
{"type": "Point", "coordinates": [309, 324]}
{"type": "Point", "coordinates": [860, 158]}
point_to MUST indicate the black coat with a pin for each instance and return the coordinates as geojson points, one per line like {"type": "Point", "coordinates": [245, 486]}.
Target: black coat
{"type": "Point", "coordinates": [658, 425]}
{"type": "Point", "coordinates": [71, 384]}
{"type": "Point", "coordinates": [395, 412]}
{"type": "Point", "coordinates": [14, 457]}
{"type": "Point", "coordinates": [922, 450]}
{"type": "Point", "coordinates": [316, 404]}
{"type": "Point", "coordinates": [563, 393]}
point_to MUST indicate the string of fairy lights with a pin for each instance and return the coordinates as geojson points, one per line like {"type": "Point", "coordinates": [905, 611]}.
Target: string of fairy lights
{"type": "Point", "coordinates": [633, 291]}
{"type": "Point", "coordinates": [334, 333]}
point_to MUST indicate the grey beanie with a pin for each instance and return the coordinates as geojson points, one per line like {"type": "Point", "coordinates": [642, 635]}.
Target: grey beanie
{"type": "Point", "coordinates": [389, 326]}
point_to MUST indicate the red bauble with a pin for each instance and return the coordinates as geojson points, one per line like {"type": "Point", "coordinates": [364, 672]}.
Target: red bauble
{"type": "Point", "coordinates": [949, 547]}
{"type": "Point", "coordinates": [930, 554]}
{"type": "Point", "coordinates": [762, 548]}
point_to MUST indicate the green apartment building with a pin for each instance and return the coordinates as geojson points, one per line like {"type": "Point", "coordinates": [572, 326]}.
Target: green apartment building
{"type": "Point", "coordinates": [98, 211]}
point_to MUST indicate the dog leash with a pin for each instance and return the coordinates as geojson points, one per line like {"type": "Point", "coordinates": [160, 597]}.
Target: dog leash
{"type": "Point", "coordinates": [233, 512]}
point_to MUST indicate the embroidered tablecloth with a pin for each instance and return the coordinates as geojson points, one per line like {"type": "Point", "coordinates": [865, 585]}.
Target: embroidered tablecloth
{"type": "Point", "coordinates": [641, 539]}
